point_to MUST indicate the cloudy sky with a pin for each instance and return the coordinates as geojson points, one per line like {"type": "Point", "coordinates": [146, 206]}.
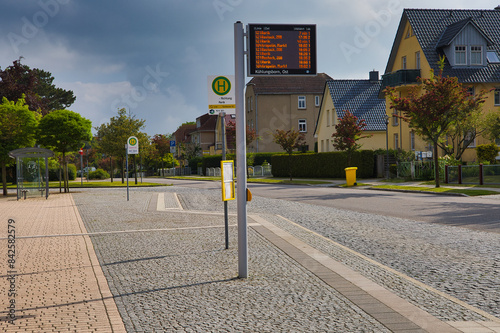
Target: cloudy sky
{"type": "Point", "coordinates": [153, 56]}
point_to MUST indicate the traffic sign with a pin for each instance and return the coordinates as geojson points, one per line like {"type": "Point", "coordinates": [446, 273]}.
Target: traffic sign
{"type": "Point", "coordinates": [221, 97]}
{"type": "Point", "coordinates": [172, 143]}
{"type": "Point", "coordinates": [133, 145]}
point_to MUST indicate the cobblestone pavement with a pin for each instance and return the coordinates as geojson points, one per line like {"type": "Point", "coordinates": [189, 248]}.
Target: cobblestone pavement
{"type": "Point", "coordinates": [173, 274]}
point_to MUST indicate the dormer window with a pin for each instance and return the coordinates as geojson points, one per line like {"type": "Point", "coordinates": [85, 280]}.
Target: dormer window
{"type": "Point", "coordinates": [492, 57]}
{"type": "Point", "coordinates": [476, 55]}
{"type": "Point", "coordinates": [460, 55]}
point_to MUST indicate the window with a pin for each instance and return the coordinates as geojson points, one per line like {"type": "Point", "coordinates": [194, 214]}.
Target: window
{"type": "Point", "coordinates": [492, 57]}
{"type": "Point", "coordinates": [302, 125]}
{"type": "Point", "coordinates": [471, 91]}
{"type": "Point", "coordinates": [395, 119]}
{"type": "Point", "coordinates": [317, 100]}
{"type": "Point", "coordinates": [417, 60]}
{"type": "Point", "coordinates": [302, 102]}
{"type": "Point", "coordinates": [412, 140]}
{"type": "Point", "coordinates": [322, 146]}
{"type": "Point", "coordinates": [497, 96]}
{"type": "Point", "coordinates": [396, 140]}
{"type": "Point", "coordinates": [476, 55]}
{"type": "Point", "coordinates": [328, 118]}
{"type": "Point", "coordinates": [327, 144]}
{"type": "Point", "coordinates": [403, 62]}
{"type": "Point", "coordinates": [469, 137]}
{"type": "Point", "coordinates": [460, 55]}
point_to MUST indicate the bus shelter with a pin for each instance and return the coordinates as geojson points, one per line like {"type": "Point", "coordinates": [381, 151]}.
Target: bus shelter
{"type": "Point", "coordinates": [32, 171]}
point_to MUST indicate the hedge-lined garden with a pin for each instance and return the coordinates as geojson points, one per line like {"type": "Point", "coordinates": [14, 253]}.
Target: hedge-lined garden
{"type": "Point", "coordinates": [324, 165]}
{"type": "Point", "coordinates": [307, 165]}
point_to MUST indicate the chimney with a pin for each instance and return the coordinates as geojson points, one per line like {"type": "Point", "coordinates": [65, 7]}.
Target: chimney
{"type": "Point", "coordinates": [374, 76]}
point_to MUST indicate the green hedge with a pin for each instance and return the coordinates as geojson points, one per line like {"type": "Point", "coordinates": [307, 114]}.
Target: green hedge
{"type": "Point", "coordinates": [99, 174]}
{"type": "Point", "coordinates": [324, 165]}
{"type": "Point", "coordinates": [54, 173]}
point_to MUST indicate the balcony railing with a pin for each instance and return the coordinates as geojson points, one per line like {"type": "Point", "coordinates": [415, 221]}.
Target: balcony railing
{"type": "Point", "coordinates": [400, 77]}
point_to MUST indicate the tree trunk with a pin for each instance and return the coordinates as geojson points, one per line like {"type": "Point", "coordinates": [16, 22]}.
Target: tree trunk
{"type": "Point", "coordinates": [436, 164]}
{"type": "Point", "coordinates": [60, 178]}
{"type": "Point", "coordinates": [4, 178]}
{"type": "Point", "coordinates": [123, 169]}
{"type": "Point", "coordinates": [135, 170]}
{"type": "Point", "coordinates": [65, 172]}
{"type": "Point", "coordinates": [111, 166]}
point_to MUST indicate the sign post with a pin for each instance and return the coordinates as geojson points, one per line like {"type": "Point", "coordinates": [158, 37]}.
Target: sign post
{"type": "Point", "coordinates": [81, 166]}
{"type": "Point", "coordinates": [221, 98]}
{"type": "Point", "coordinates": [273, 50]}
{"type": "Point", "coordinates": [132, 147]}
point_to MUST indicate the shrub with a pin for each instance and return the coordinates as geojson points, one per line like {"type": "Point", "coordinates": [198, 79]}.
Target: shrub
{"type": "Point", "coordinates": [99, 174]}
{"type": "Point", "coordinates": [487, 152]}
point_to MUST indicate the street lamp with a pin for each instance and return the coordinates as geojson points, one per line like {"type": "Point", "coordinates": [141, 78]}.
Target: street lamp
{"type": "Point", "coordinates": [386, 119]}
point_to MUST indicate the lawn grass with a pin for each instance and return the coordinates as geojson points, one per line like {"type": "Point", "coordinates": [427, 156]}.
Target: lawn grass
{"type": "Point", "coordinates": [97, 184]}
{"type": "Point", "coordinates": [257, 180]}
{"type": "Point", "coordinates": [468, 192]}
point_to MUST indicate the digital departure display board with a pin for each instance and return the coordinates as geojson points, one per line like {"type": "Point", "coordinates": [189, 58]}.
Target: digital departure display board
{"type": "Point", "coordinates": [280, 49]}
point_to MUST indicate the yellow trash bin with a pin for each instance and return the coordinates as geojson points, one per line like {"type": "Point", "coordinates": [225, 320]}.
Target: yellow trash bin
{"type": "Point", "coordinates": [350, 176]}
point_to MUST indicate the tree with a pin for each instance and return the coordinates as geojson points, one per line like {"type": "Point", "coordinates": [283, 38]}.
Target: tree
{"type": "Point", "coordinates": [251, 135]}
{"type": "Point", "coordinates": [434, 106]}
{"type": "Point", "coordinates": [112, 137]}
{"type": "Point", "coordinates": [162, 144]}
{"type": "Point", "coordinates": [348, 131]}
{"type": "Point", "coordinates": [17, 130]}
{"type": "Point", "coordinates": [64, 131]}
{"type": "Point", "coordinates": [37, 86]}
{"type": "Point", "coordinates": [492, 130]}
{"type": "Point", "coordinates": [288, 141]}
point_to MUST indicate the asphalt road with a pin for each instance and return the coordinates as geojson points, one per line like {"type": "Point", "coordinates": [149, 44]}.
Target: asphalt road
{"type": "Point", "coordinates": [477, 213]}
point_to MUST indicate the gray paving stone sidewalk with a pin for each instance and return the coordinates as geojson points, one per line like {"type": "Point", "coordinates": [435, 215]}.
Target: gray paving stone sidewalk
{"type": "Point", "coordinates": [173, 274]}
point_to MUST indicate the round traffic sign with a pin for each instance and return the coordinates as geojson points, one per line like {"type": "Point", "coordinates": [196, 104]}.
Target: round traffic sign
{"type": "Point", "coordinates": [221, 85]}
{"type": "Point", "coordinates": [132, 141]}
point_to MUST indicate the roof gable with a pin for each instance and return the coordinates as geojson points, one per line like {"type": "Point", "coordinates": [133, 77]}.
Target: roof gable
{"type": "Point", "coordinates": [434, 27]}
{"type": "Point", "coordinates": [360, 97]}
{"type": "Point", "coordinates": [289, 84]}
{"type": "Point", "coordinates": [453, 30]}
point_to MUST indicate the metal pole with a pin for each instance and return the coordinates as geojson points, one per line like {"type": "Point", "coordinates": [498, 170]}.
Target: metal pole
{"type": "Point", "coordinates": [81, 169]}
{"type": "Point", "coordinates": [387, 147]}
{"type": "Point", "coordinates": [241, 193]}
{"type": "Point", "coordinates": [126, 168]}
{"type": "Point", "coordinates": [226, 218]}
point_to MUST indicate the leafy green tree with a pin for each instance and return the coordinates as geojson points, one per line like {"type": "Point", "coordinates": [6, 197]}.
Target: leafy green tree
{"type": "Point", "coordinates": [288, 141]}
{"type": "Point", "coordinates": [64, 131]}
{"type": "Point", "coordinates": [434, 106]}
{"type": "Point", "coordinates": [493, 125]}
{"type": "Point", "coordinates": [112, 136]}
{"type": "Point", "coordinates": [37, 86]}
{"type": "Point", "coordinates": [17, 130]}
{"type": "Point", "coordinates": [347, 132]}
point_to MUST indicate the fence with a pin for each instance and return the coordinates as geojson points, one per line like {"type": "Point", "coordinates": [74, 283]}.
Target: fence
{"type": "Point", "coordinates": [472, 174]}
{"type": "Point", "coordinates": [260, 171]}
{"type": "Point", "coordinates": [213, 172]}
{"type": "Point", "coordinates": [252, 171]}
{"type": "Point", "coordinates": [419, 170]}
{"type": "Point", "coordinates": [170, 172]}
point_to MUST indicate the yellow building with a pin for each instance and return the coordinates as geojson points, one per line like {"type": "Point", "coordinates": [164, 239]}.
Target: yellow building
{"type": "Point", "coordinates": [470, 42]}
{"type": "Point", "coordinates": [360, 97]}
